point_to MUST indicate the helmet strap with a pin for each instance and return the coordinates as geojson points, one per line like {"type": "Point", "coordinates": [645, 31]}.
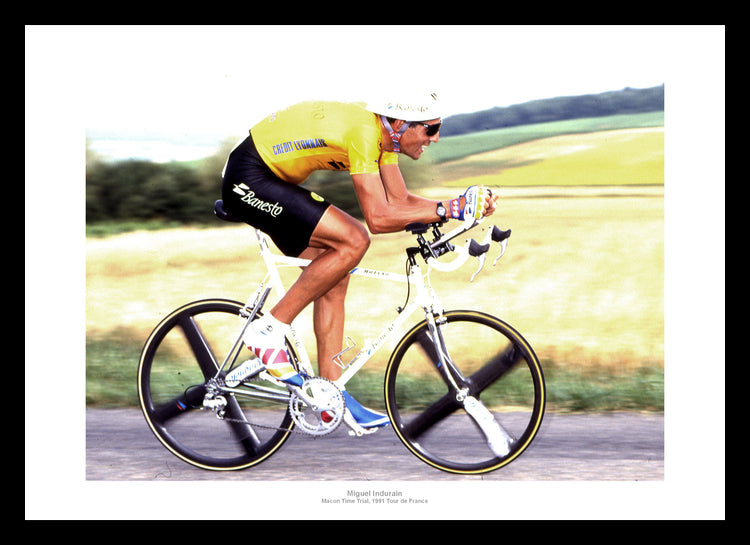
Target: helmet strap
{"type": "Point", "coordinates": [395, 135]}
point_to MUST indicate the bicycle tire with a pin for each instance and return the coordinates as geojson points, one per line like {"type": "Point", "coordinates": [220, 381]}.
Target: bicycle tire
{"type": "Point", "coordinates": [507, 379]}
{"type": "Point", "coordinates": [176, 360]}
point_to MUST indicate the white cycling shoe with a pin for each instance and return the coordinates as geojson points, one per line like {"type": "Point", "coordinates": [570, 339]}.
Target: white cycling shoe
{"type": "Point", "coordinates": [266, 338]}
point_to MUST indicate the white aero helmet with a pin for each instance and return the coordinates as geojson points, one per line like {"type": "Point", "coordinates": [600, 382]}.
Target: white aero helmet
{"type": "Point", "coordinates": [409, 108]}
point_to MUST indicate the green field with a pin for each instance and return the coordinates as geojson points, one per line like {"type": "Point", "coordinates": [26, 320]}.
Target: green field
{"type": "Point", "coordinates": [622, 157]}
{"type": "Point", "coordinates": [458, 147]}
{"type": "Point", "coordinates": [583, 277]}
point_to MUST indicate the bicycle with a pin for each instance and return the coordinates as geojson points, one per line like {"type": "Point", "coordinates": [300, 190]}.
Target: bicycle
{"type": "Point", "coordinates": [489, 386]}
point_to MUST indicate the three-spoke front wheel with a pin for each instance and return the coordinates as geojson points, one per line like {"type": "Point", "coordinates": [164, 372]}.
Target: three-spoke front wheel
{"type": "Point", "coordinates": [178, 360]}
{"type": "Point", "coordinates": [491, 364]}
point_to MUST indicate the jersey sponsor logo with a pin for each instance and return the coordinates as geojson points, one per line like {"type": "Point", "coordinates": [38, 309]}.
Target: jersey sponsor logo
{"type": "Point", "coordinates": [249, 198]}
{"type": "Point", "coordinates": [297, 145]}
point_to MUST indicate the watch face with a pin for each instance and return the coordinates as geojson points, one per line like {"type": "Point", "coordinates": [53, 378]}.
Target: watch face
{"type": "Point", "coordinates": [441, 211]}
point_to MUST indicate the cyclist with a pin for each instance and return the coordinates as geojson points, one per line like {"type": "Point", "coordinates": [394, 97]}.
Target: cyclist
{"type": "Point", "coordinates": [261, 186]}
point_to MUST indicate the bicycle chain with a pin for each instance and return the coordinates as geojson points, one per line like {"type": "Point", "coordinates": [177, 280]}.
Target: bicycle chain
{"type": "Point", "coordinates": [291, 430]}
{"type": "Point", "coordinates": [266, 427]}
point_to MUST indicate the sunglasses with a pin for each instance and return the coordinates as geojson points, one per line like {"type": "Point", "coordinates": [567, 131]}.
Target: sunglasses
{"type": "Point", "coordinates": [430, 130]}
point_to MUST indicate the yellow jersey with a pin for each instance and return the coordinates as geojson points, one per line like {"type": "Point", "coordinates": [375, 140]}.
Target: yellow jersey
{"type": "Point", "coordinates": [313, 136]}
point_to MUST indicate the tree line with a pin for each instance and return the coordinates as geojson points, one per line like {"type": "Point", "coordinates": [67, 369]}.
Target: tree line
{"type": "Point", "coordinates": [185, 192]}
{"type": "Point", "coordinates": [625, 101]}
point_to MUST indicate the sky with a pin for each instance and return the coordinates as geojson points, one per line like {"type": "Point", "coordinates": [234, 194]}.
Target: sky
{"type": "Point", "coordinates": [196, 85]}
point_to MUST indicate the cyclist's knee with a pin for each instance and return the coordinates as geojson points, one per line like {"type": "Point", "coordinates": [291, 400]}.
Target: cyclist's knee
{"type": "Point", "coordinates": [361, 239]}
{"type": "Point", "coordinates": [357, 242]}
{"type": "Point", "coordinates": [341, 233]}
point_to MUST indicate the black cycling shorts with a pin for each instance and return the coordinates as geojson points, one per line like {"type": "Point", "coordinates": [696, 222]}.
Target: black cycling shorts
{"type": "Point", "coordinates": [284, 211]}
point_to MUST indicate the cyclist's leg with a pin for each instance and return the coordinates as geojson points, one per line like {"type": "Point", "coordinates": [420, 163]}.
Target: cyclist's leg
{"type": "Point", "coordinates": [343, 241]}
{"type": "Point", "coordinates": [340, 243]}
{"type": "Point", "coordinates": [328, 322]}
{"type": "Point", "coordinates": [295, 219]}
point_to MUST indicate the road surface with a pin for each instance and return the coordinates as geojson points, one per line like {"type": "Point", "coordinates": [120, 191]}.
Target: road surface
{"type": "Point", "coordinates": [569, 447]}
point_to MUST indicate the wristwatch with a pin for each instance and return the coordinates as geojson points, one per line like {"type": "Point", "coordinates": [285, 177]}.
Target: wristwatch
{"type": "Point", "coordinates": [441, 211]}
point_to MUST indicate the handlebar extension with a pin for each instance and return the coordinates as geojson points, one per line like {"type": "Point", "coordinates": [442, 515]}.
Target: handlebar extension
{"type": "Point", "coordinates": [430, 251]}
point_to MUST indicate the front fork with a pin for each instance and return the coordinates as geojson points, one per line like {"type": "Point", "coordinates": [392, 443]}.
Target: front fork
{"type": "Point", "coordinates": [436, 322]}
{"type": "Point", "coordinates": [498, 439]}
{"type": "Point", "coordinates": [443, 361]}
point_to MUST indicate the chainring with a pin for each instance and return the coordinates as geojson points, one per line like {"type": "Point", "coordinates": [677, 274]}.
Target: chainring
{"type": "Point", "coordinates": [318, 407]}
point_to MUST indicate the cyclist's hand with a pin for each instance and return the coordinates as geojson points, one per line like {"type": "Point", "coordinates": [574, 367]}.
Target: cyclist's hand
{"type": "Point", "coordinates": [476, 202]}
{"type": "Point", "coordinates": [490, 204]}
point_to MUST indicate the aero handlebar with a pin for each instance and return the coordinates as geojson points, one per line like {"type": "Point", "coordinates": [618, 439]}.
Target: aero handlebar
{"type": "Point", "coordinates": [431, 251]}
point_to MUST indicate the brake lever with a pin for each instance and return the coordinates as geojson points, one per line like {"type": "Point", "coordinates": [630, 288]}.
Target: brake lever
{"type": "Point", "coordinates": [480, 251]}
{"type": "Point", "coordinates": [500, 236]}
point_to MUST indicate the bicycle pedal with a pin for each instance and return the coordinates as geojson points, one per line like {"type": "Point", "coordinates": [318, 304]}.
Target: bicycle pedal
{"type": "Point", "coordinates": [362, 431]}
{"type": "Point", "coordinates": [355, 429]}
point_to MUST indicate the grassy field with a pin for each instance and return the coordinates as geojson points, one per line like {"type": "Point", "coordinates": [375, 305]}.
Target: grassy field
{"type": "Point", "coordinates": [622, 157]}
{"type": "Point", "coordinates": [582, 280]}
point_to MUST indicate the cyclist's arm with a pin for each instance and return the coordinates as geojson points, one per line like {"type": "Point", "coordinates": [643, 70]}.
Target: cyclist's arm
{"type": "Point", "coordinates": [395, 188]}
{"type": "Point", "coordinates": [386, 203]}
{"type": "Point", "coordinates": [397, 193]}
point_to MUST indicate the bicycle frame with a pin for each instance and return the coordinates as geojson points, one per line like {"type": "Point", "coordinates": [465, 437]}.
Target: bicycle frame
{"type": "Point", "coordinates": [167, 389]}
{"type": "Point", "coordinates": [424, 297]}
